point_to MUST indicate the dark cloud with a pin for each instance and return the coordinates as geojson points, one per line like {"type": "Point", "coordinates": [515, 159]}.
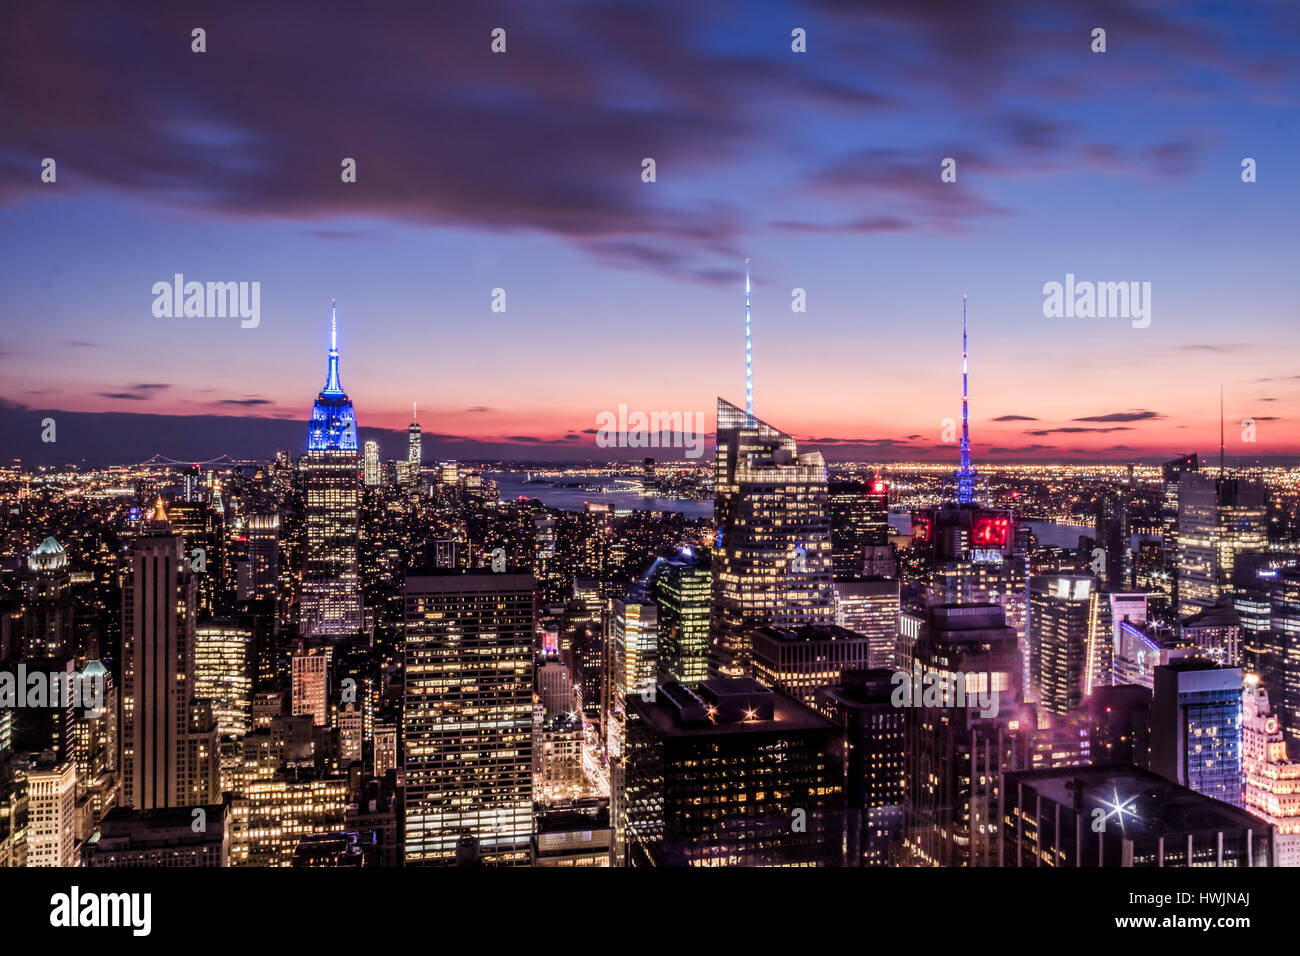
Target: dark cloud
{"type": "Point", "coordinates": [1121, 417]}
{"type": "Point", "coordinates": [245, 401]}
{"type": "Point", "coordinates": [1071, 430]}
{"type": "Point", "coordinates": [1015, 418]}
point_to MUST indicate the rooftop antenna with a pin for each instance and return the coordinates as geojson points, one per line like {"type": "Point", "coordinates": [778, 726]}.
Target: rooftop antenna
{"type": "Point", "coordinates": [332, 382]}
{"type": "Point", "coordinates": [1220, 430]}
{"type": "Point", "coordinates": [966, 477]}
{"type": "Point", "coordinates": [749, 353]}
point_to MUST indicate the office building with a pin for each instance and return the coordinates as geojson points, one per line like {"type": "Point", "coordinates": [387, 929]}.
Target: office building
{"type": "Point", "coordinates": [682, 591]}
{"type": "Point", "coordinates": [1063, 640]}
{"type": "Point", "coordinates": [331, 582]}
{"type": "Point", "coordinates": [875, 768]}
{"type": "Point", "coordinates": [1117, 815]}
{"type": "Point", "coordinates": [1272, 781]}
{"type": "Point", "coordinates": [1196, 727]}
{"type": "Point", "coordinates": [172, 837]}
{"type": "Point", "coordinates": [467, 727]}
{"type": "Point", "coordinates": [731, 774]}
{"type": "Point", "coordinates": [223, 673]}
{"type": "Point", "coordinates": [51, 814]}
{"type": "Point", "coordinates": [47, 603]}
{"type": "Point", "coordinates": [169, 754]}
{"type": "Point", "coordinates": [772, 563]}
{"type": "Point", "coordinates": [956, 749]}
{"type": "Point", "coordinates": [799, 661]}
{"type": "Point", "coordinates": [870, 606]}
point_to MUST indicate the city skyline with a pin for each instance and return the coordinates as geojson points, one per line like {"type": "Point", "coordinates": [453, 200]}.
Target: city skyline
{"type": "Point", "coordinates": [823, 167]}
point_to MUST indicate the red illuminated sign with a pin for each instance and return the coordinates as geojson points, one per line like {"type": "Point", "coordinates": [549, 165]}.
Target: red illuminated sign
{"type": "Point", "coordinates": [921, 527]}
{"type": "Point", "coordinates": [991, 532]}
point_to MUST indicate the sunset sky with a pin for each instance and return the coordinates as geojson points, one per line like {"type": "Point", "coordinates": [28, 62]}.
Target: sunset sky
{"type": "Point", "coordinates": [522, 171]}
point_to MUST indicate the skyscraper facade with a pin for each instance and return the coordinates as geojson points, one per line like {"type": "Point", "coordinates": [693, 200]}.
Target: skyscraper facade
{"type": "Point", "coordinates": [1064, 640]}
{"type": "Point", "coordinates": [331, 585]}
{"type": "Point", "coordinates": [772, 563]}
{"type": "Point", "coordinates": [682, 589]}
{"type": "Point", "coordinates": [169, 757]}
{"type": "Point", "coordinates": [1196, 716]}
{"type": "Point", "coordinates": [468, 718]}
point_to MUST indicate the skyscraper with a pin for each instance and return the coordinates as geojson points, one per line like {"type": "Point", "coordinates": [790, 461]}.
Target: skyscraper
{"type": "Point", "coordinates": [223, 673]}
{"type": "Point", "coordinates": [467, 724]}
{"type": "Point", "coordinates": [956, 752]}
{"type": "Point", "coordinates": [51, 814]}
{"type": "Point", "coordinates": [682, 588]}
{"type": "Point", "coordinates": [1196, 727]}
{"type": "Point", "coordinates": [859, 522]}
{"type": "Point", "coordinates": [331, 585]}
{"type": "Point", "coordinates": [263, 531]}
{"type": "Point", "coordinates": [632, 670]}
{"type": "Point", "coordinates": [169, 753]}
{"type": "Point", "coordinates": [1064, 640]}
{"type": "Point", "coordinates": [773, 562]}
{"type": "Point", "coordinates": [47, 602]}
{"type": "Point", "coordinates": [414, 455]}
{"type": "Point", "coordinates": [730, 774]}
{"type": "Point", "coordinates": [371, 466]}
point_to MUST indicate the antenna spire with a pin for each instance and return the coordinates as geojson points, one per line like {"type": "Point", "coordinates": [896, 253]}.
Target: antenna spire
{"type": "Point", "coordinates": [332, 383]}
{"type": "Point", "coordinates": [749, 352]}
{"type": "Point", "coordinates": [414, 417]}
{"type": "Point", "coordinates": [966, 476]}
{"type": "Point", "coordinates": [1220, 430]}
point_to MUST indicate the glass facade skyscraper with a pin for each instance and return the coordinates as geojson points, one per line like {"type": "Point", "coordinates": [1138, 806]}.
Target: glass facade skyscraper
{"type": "Point", "coordinates": [772, 563]}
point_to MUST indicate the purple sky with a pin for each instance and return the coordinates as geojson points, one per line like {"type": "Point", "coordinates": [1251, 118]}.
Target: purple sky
{"type": "Point", "coordinates": [522, 171]}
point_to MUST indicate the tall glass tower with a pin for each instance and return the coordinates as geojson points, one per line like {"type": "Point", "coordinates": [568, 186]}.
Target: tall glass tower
{"type": "Point", "coordinates": [331, 585]}
{"type": "Point", "coordinates": [772, 563]}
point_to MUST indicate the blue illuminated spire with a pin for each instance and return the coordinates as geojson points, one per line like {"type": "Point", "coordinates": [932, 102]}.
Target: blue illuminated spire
{"type": "Point", "coordinates": [749, 352]}
{"type": "Point", "coordinates": [333, 422]}
{"type": "Point", "coordinates": [966, 477]}
{"type": "Point", "coordinates": [332, 384]}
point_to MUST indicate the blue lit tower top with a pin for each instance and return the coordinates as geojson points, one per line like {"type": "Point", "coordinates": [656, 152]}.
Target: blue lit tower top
{"type": "Point", "coordinates": [749, 352]}
{"type": "Point", "coordinates": [966, 476]}
{"type": "Point", "coordinates": [333, 422]}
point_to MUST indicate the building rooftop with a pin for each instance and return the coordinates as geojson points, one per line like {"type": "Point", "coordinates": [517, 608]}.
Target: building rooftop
{"type": "Point", "coordinates": [723, 706]}
{"type": "Point", "coordinates": [1151, 805]}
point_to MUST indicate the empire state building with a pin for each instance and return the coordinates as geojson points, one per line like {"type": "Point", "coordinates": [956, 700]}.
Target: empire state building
{"type": "Point", "coordinates": [331, 584]}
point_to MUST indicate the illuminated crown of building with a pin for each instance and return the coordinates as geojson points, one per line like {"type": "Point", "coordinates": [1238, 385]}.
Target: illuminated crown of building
{"type": "Point", "coordinates": [333, 422]}
{"type": "Point", "coordinates": [48, 556]}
